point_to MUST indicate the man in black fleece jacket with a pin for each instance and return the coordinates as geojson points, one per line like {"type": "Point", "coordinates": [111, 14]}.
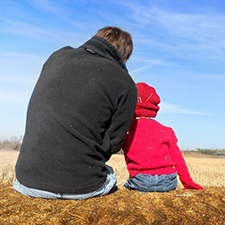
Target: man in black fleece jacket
{"type": "Point", "coordinates": [78, 114]}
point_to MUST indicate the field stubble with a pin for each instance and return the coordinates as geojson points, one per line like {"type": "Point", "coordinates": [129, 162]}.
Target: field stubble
{"type": "Point", "coordinates": [204, 170]}
{"type": "Point", "coordinates": [185, 207]}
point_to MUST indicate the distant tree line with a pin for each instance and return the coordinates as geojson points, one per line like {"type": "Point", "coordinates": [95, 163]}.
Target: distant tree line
{"type": "Point", "coordinates": [12, 143]}
{"type": "Point", "coordinates": [219, 152]}
{"type": "Point", "coordinates": [215, 152]}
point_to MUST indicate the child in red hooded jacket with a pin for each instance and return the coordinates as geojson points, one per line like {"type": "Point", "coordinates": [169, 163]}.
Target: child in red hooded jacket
{"type": "Point", "coordinates": [151, 153]}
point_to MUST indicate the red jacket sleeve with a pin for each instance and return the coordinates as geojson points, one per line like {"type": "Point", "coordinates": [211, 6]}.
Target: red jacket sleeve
{"type": "Point", "coordinates": [180, 164]}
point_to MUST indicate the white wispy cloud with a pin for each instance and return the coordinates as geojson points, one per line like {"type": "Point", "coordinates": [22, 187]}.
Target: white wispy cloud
{"type": "Point", "coordinates": [47, 5]}
{"type": "Point", "coordinates": [15, 80]}
{"type": "Point", "coordinates": [170, 108]}
{"type": "Point", "coordinates": [150, 63]}
{"type": "Point", "coordinates": [216, 77]}
{"type": "Point", "coordinates": [25, 29]}
{"type": "Point", "coordinates": [18, 57]}
{"type": "Point", "coordinates": [9, 96]}
{"type": "Point", "coordinates": [14, 60]}
{"type": "Point", "coordinates": [195, 34]}
{"type": "Point", "coordinates": [209, 77]}
{"type": "Point", "coordinates": [43, 33]}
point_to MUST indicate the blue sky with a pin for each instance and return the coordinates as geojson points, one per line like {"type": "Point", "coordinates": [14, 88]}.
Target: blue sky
{"type": "Point", "coordinates": [179, 48]}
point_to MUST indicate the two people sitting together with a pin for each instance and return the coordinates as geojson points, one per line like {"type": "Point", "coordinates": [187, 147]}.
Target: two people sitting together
{"type": "Point", "coordinates": [80, 110]}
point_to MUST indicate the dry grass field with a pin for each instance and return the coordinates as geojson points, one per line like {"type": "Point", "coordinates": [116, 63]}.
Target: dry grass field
{"type": "Point", "coordinates": [181, 206]}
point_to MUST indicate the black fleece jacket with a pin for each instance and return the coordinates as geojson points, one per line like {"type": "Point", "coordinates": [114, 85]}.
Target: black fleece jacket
{"type": "Point", "coordinates": [78, 115]}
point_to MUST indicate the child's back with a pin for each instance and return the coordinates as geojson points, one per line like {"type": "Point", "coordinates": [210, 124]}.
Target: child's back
{"type": "Point", "coordinates": [150, 148]}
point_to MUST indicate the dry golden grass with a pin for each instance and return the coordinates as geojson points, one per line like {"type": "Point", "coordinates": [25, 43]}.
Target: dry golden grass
{"type": "Point", "coordinates": [204, 170]}
{"type": "Point", "coordinates": [207, 171]}
{"type": "Point", "coordinates": [185, 207]}
{"type": "Point", "coordinates": [7, 164]}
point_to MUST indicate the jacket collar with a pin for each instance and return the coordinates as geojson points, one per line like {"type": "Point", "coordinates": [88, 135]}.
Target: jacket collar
{"type": "Point", "coordinates": [104, 48]}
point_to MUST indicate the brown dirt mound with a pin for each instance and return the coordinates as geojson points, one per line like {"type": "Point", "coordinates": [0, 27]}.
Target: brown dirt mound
{"type": "Point", "coordinates": [206, 206]}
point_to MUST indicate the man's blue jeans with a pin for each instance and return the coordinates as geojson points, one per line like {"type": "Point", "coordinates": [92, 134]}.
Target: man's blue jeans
{"type": "Point", "coordinates": [108, 185]}
{"type": "Point", "coordinates": [149, 183]}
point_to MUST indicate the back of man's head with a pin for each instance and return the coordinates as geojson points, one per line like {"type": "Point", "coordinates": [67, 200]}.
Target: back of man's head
{"type": "Point", "coordinates": [119, 39]}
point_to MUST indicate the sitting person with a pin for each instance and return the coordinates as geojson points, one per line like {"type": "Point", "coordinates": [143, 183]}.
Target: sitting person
{"type": "Point", "coordinates": [79, 112]}
{"type": "Point", "coordinates": [151, 153]}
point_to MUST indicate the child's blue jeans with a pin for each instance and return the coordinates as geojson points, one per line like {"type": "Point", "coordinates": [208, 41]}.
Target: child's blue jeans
{"type": "Point", "coordinates": [109, 184]}
{"type": "Point", "coordinates": [149, 183]}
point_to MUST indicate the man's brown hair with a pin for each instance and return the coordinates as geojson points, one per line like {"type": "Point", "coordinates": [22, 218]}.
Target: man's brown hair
{"type": "Point", "coordinates": [119, 39]}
